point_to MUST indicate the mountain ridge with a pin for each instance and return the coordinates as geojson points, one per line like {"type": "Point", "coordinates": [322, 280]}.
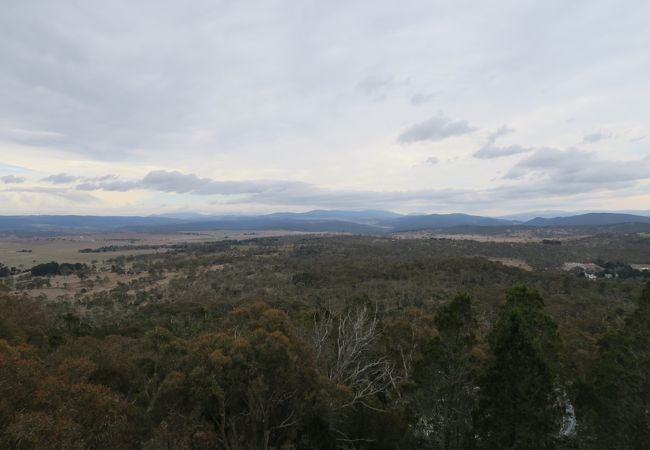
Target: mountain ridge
{"type": "Point", "coordinates": [362, 221]}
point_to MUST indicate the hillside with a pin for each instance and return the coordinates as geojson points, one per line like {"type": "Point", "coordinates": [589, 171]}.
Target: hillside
{"type": "Point", "coordinates": [589, 219]}
{"type": "Point", "coordinates": [335, 221]}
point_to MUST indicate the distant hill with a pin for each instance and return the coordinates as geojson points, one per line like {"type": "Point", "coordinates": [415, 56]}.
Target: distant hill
{"type": "Point", "coordinates": [316, 221]}
{"type": "Point", "coordinates": [364, 216]}
{"type": "Point", "coordinates": [552, 214]}
{"type": "Point", "coordinates": [360, 222]}
{"type": "Point", "coordinates": [588, 219]}
{"type": "Point", "coordinates": [406, 223]}
{"type": "Point", "coordinates": [264, 223]}
{"type": "Point", "coordinates": [71, 222]}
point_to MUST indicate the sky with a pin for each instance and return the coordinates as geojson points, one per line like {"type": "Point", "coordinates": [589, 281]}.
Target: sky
{"type": "Point", "coordinates": [488, 107]}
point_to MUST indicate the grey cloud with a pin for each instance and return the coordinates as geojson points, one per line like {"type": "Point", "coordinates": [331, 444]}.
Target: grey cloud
{"type": "Point", "coordinates": [60, 178]}
{"type": "Point", "coordinates": [332, 198]}
{"type": "Point", "coordinates": [490, 151]}
{"type": "Point", "coordinates": [501, 131]}
{"type": "Point", "coordinates": [102, 178]}
{"type": "Point", "coordinates": [558, 174]}
{"type": "Point", "coordinates": [574, 167]}
{"type": "Point", "coordinates": [182, 183]}
{"type": "Point", "coordinates": [431, 199]}
{"type": "Point", "coordinates": [174, 181]}
{"type": "Point", "coordinates": [596, 136]}
{"type": "Point", "coordinates": [421, 99]}
{"type": "Point", "coordinates": [105, 182]}
{"type": "Point", "coordinates": [12, 179]}
{"type": "Point", "coordinates": [431, 161]}
{"type": "Point", "coordinates": [376, 87]}
{"type": "Point", "coordinates": [67, 194]}
{"type": "Point", "coordinates": [30, 137]}
{"type": "Point", "coordinates": [434, 129]}
{"type": "Point", "coordinates": [278, 192]}
{"type": "Point", "coordinates": [102, 84]}
{"type": "Point", "coordinates": [114, 186]}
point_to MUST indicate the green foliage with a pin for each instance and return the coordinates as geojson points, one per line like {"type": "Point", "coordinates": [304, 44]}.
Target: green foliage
{"type": "Point", "coordinates": [616, 404]}
{"type": "Point", "coordinates": [359, 343]}
{"type": "Point", "coordinates": [519, 405]}
{"type": "Point", "coordinates": [444, 395]}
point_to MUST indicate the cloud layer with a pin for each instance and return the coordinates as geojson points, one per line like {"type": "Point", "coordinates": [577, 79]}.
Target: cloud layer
{"type": "Point", "coordinates": [12, 179]}
{"type": "Point", "coordinates": [490, 150]}
{"type": "Point", "coordinates": [547, 171]}
{"type": "Point", "coordinates": [434, 129]}
{"type": "Point", "coordinates": [137, 107]}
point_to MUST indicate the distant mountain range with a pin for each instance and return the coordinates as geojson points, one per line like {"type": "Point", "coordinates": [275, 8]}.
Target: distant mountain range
{"type": "Point", "coordinates": [552, 214]}
{"type": "Point", "coordinates": [63, 223]}
{"type": "Point", "coordinates": [588, 219]}
{"type": "Point", "coordinates": [362, 222]}
{"type": "Point", "coordinates": [405, 223]}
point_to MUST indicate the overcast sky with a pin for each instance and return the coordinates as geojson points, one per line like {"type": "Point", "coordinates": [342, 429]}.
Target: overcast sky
{"type": "Point", "coordinates": [490, 107]}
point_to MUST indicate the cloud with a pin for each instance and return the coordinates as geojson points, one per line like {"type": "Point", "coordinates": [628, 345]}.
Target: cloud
{"type": "Point", "coordinates": [189, 183]}
{"type": "Point", "coordinates": [434, 129]}
{"type": "Point", "coordinates": [60, 178]}
{"type": "Point", "coordinates": [112, 186]}
{"type": "Point", "coordinates": [431, 161]}
{"type": "Point", "coordinates": [376, 87]}
{"type": "Point", "coordinates": [490, 151]}
{"type": "Point", "coordinates": [174, 181]}
{"type": "Point", "coordinates": [421, 99]}
{"type": "Point", "coordinates": [277, 192]}
{"type": "Point", "coordinates": [547, 173]}
{"type": "Point", "coordinates": [315, 196]}
{"type": "Point", "coordinates": [12, 179]}
{"type": "Point", "coordinates": [102, 178]}
{"type": "Point", "coordinates": [501, 131]}
{"type": "Point", "coordinates": [575, 170]}
{"type": "Point", "coordinates": [67, 194]}
{"type": "Point", "coordinates": [596, 136]}
{"type": "Point", "coordinates": [103, 182]}
{"type": "Point", "coordinates": [287, 90]}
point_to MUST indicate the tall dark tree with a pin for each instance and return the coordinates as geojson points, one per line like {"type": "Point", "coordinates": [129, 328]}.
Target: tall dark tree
{"type": "Point", "coordinates": [618, 411]}
{"type": "Point", "coordinates": [445, 394]}
{"type": "Point", "coordinates": [519, 401]}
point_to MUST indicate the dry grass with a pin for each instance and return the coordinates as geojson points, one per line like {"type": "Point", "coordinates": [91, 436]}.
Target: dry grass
{"type": "Point", "coordinates": [66, 248]}
{"type": "Point", "coordinates": [62, 285]}
{"type": "Point", "coordinates": [518, 237]}
{"type": "Point", "coordinates": [511, 262]}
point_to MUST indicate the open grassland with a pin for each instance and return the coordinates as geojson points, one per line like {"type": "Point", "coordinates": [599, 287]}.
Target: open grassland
{"type": "Point", "coordinates": [25, 252]}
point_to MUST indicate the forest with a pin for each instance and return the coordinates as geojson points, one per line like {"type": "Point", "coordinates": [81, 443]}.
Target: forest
{"type": "Point", "coordinates": [340, 342]}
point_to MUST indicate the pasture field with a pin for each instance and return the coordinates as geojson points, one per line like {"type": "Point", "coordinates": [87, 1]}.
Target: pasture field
{"type": "Point", "coordinates": [66, 248]}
